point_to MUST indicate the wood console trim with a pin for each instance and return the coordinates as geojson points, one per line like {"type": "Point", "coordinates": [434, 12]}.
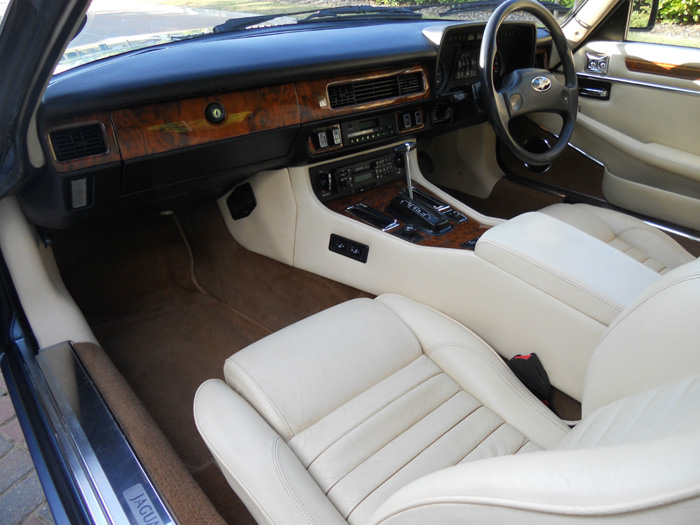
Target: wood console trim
{"type": "Point", "coordinates": [685, 72]}
{"type": "Point", "coordinates": [157, 128]}
{"type": "Point", "coordinates": [380, 197]}
{"type": "Point", "coordinates": [313, 94]}
{"type": "Point", "coordinates": [104, 120]}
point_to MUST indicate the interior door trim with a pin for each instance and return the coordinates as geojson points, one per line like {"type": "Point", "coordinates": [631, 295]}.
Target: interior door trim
{"type": "Point", "coordinates": [642, 83]}
{"type": "Point", "coordinates": [685, 72]}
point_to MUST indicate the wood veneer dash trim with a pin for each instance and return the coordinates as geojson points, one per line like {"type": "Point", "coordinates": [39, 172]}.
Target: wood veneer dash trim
{"type": "Point", "coordinates": [313, 95]}
{"type": "Point", "coordinates": [685, 72]}
{"type": "Point", "coordinates": [157, 128]}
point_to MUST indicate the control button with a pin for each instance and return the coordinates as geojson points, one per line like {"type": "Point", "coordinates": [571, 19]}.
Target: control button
{"type": "Point", "coordinates": [603, 66]}
{"type": "Point", "coordinates": [354, 250]}
{"type": "Point", "coordinates": [516, 101]}
{"type": "Point", "coordinates": [215, 113]}
{"type": "Point", "coordinates": [336, 137]}
{"type": "Point", "coordinates": [418, 118]}
{"type": "Point", "coordinates": [406, 120]}
{"type": "Point", "coordinates": [322, 139]}
{"type": "Point", "coordinates": [340, 244]}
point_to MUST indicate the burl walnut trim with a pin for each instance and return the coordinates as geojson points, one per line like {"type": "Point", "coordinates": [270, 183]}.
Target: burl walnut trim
{"type": "Point", "coordinates": [380, 197]}
{"type": "Point", "coordinates": [667, 70]}
{"type": "Point", "coordinates": [105, 122]}
{"type": "Point", "coordinates": [157, 128]}
{"type": "Point", "coordinates": [315, 105]}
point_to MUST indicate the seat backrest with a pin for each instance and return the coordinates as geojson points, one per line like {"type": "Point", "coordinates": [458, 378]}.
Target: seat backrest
{"type": "Point", "coordinates": [652, 343]}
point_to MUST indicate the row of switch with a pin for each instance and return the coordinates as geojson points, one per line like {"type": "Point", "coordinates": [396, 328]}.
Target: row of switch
{"type": "Point", "coordinates": [348, 248]}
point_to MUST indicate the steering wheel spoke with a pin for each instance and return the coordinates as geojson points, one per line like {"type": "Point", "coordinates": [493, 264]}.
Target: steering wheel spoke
{"type": "Point", "coordinates": [530, 90]}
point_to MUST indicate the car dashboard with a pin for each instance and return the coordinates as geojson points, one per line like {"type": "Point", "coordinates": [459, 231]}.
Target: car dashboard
{"type": "Point", "coordinates": [160, 127]}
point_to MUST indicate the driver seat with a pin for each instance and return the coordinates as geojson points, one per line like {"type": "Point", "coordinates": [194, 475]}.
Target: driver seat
{"type": "Point", "coordinates": [387, 411]}
{"type": "Point", "coordinates": [648, 245]}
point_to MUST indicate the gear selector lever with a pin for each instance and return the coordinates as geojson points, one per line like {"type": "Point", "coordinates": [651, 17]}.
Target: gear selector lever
{"type": "Point", "coordinates": [402, 160]}
{"type": "Point", "coordinates": [415, 212]}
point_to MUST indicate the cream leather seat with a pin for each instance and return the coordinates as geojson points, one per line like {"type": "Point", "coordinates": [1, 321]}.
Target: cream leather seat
{"type": "Point", "coordinates": [646, 244]}
{"type": "Point", "coordinates": [387, 411]}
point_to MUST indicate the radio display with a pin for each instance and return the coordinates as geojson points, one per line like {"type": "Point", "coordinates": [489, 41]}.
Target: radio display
{"type": "Point", "coordinates": [363, 177]}
{"type": "Point", "coordinates": [369, 124]}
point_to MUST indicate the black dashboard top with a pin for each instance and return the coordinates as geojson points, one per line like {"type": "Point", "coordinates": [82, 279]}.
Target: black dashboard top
{"type": "Point", "coordinates": [237, 61]}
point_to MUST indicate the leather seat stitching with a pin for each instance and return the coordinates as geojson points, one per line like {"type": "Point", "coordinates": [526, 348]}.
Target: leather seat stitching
{"type": "Point", "coordinates": [369, 416]}
{"type": "Point", "coordinates": [521, 446]}
{"type": "Point", "coordinates": [285, 483]}
{"type": "Point", "coordinates": [554, 274]}
{"type": "Point", "coordinates": [262, 391]}
{"type": "Point", "coordinates": [373, 453]}
{"type": "Point", "coordinates": [413, 459]}
{"type": "Point", "coordinates": [480, 442]}
{"type": "Point", "coordinates": [477, 353]}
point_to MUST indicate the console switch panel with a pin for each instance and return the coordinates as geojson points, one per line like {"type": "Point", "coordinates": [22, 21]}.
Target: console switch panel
{"type": "Point", "coordinates": [348, 248]}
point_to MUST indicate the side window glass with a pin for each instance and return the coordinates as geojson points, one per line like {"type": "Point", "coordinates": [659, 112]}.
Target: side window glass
{"type": "Point", "coordinates": [677, 22]}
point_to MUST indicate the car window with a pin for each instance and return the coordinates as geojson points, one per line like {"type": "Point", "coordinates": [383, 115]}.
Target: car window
{"type": "Point", "coordinates": [677, 23]}
{"type": "Point", "coordinates": [3, 9]}
{"type": "Point", "coordinates": [117, 26]}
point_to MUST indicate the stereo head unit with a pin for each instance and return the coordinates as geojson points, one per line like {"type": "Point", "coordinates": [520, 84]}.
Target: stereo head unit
{"type": "Point", "coordinates": [344, 177]}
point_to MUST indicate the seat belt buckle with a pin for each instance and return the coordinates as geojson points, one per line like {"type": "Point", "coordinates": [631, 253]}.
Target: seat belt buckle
{"type": "Point", "coordinates": [528, 368]}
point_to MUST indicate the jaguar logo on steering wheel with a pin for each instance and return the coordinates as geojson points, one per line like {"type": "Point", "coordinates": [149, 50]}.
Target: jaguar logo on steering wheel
{"type": "Point", "coordinates": [541, 84]}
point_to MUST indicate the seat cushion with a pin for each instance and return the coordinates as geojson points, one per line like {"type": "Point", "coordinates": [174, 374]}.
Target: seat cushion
{"type": "Point", "coordinates": [371, 395]}
{"type": "Point", "coordinates": [642, 242]}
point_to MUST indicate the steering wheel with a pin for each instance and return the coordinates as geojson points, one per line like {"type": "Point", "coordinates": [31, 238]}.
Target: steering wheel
{"type": "Point", "coordinates": [528, 90]}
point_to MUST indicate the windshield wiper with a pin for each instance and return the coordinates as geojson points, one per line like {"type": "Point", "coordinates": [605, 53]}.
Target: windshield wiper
{"type": "Point", "coordinates": [237, 24]}
{"type": "Point", "coordinates": [479, 5]}
{"type": "Point", "coordinates": [334, 12]}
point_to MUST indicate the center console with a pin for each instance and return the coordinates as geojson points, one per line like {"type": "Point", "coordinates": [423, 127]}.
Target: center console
{"type": "Point", "coordinates": [373, 188]}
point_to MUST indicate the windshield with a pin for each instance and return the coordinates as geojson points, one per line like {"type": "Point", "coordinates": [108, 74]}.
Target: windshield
{"type": "Point", "coordinates": [117, 26]}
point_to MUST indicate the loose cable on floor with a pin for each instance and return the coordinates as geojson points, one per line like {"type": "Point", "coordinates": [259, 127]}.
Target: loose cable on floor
{"type": "Point", "coordinates": [193, 276]}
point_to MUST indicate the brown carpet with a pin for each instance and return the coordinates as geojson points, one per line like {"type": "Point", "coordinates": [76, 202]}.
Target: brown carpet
{"type": "Point", "coordinates": [133, 283]}
{"type": "Point", "coordinates": [176, 485]}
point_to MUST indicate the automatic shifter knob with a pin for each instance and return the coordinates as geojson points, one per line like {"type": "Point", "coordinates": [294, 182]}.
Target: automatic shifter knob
{"type": "Point", "coordinates": [402, 160]}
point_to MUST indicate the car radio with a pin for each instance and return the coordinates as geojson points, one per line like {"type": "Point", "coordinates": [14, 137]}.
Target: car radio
{"type": "Point", "coordinates": [337, 179]}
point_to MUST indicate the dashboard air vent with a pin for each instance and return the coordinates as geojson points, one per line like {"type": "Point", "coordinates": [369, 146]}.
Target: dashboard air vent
{"type": "Point", "coordinates": [78, 142]}
{"type": "Point", "coordinates": [382, 88]}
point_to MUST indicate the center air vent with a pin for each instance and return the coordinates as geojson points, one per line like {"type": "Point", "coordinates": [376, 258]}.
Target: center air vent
{"type": "Point", "coordinates": [78, 142]}
{"type": "Point", "coordinates": [382, 88]}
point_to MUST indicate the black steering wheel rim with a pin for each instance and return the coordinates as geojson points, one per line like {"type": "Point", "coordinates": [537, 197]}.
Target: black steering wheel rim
{"type": "Point", "coordinates": [519, 96]}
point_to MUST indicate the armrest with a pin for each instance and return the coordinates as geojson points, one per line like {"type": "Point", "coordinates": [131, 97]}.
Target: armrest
{"type": "Point", "coordinates": [566, 263]}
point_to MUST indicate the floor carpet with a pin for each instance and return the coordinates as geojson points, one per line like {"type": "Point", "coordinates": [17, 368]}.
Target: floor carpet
{"type": "Point", "coordinates": [166, 332]}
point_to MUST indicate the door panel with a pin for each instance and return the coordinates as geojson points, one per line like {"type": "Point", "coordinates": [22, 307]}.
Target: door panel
{"type": "Point", "coordinates": [647, 133]}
